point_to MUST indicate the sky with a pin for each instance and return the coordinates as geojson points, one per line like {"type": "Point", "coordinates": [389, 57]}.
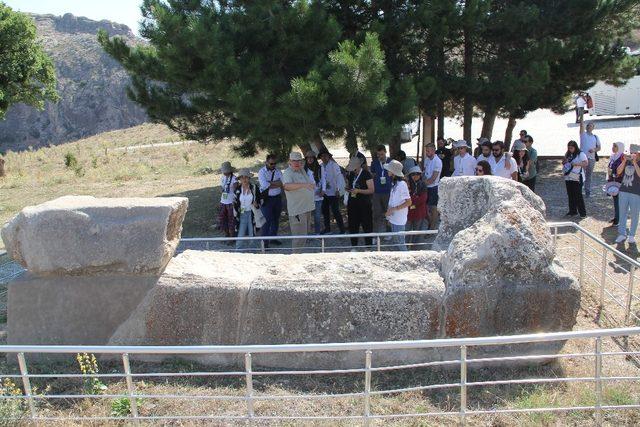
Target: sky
{"type": "Point", "coordinates": [121, 11]}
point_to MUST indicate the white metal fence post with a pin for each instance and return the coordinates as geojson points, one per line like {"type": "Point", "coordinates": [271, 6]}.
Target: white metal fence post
{"type": "Point", "coordinates": [598, 377]}
{"type": "Point", "coordinates": [581, 258]}
{"type": "Point", "coordinates": [463, 384]}
{"type": "Point", "coordinates": [632, 273]}
{"type": "Point", "coordinates": [26, 383]}
{"type": "Point", "coordinates": [555, 236]}
{"type": "Point", "coordinates": [249, 384]}
{"type": "Point", "coordinates": [603, 278]}
{"type": "Point", "coordinates": [322, 242]}
{"type": "Point", "coordinates": [131, 391]}
{"type": "Point", "coordinates": [378, 243]}
{"type": "Point", "coordinates": [367, 388]}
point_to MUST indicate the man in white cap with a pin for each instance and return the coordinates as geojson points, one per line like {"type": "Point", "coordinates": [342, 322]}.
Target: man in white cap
{"type": "Point", "coordinates": [299, 188]}
{"type": "Point", "coordinates": [464, 164]}
{"type": "Point", "coordinates": [331, 180]}
{"type": "Point", "coordinates": [270, 182]}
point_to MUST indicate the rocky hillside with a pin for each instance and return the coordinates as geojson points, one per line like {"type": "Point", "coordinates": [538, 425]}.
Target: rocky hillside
{"type": "Point", "coordinates": [91, 87]}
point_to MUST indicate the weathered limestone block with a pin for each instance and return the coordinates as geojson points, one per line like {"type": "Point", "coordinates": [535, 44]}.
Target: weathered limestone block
{"type": "Point", "coordinates": [464, 200]}
{"type": "Point", "coordinates": [499, 271]}
{"type": "Point", "coordinates": [227, 299]}
{"type": "Point", "coordinates": [83, 235]}
{"type": "Point", "coordinates": [71, 310]}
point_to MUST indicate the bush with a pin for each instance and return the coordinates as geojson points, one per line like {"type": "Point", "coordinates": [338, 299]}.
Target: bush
{"type": "Point", "coordinates": [122, 407]}
{"type": "Point", "coordinates": [70, 161]}
{"type": "Point", "coordinates": [11, 410]}
{"type": "Point", "coordinates": [205, 171]}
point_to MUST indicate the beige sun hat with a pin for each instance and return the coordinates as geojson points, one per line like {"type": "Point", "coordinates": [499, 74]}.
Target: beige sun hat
{"type": "Point", "coordinates": [354, 162]}
{"type": "Point", "coordinates": [226, 167]}
{"type": "Point", "coordinates": [519, 145]}
{"type": "Point", "coordinates": [395, 167]}
{"type": "Point", "coordinates": [415, 169]}
{"type": "Point", "coordinates": [311, 153]}
{"type": "Point", "coordinates": [460, 143]}
{"type": "Point", "coordinates": [245, 172]}
{"type": "Point", "coordinates": [296, 156]}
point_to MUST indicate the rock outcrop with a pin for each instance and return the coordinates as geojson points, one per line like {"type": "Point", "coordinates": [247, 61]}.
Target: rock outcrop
{"type": "Point", "coordinates": [83, 235]}
{"type": "Point", "coordinates": [91, 85]}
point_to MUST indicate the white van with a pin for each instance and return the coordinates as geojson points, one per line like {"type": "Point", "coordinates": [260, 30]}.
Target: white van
{"type": "Point", "coordinates": [616, 101]}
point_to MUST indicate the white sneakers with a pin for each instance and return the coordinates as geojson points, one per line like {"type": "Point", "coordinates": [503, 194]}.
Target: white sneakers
{"type": "Point", "coordinates": [621, 238]}
{"type": "Point", "coordinates": [631, 240]}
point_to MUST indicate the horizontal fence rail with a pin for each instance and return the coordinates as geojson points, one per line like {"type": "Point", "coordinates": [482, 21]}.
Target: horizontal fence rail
{"type": "Point", "coordinates": [462, 384]}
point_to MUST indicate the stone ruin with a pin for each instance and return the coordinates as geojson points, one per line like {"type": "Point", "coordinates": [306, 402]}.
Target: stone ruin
{"type": "Point", "coordinates": [102, 271]}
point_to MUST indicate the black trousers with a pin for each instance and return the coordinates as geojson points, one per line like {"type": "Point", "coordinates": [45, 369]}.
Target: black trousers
{"type": "Point", "coordinates": [360, 214]}
{"type": "Point", "coordinates": [332, 203]}
{"type": "Point", "coordinates": [576, 202]}
{"type": "Point", "coordinates": [531, 183]}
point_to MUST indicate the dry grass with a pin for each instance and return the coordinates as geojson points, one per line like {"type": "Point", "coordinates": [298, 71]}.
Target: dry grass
{"type": "Point", "coordinates": [104, 169]}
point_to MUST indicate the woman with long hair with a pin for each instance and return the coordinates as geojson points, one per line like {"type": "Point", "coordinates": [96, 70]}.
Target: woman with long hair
{"type": "Point", "coordinates": [246, 197]}
{"type": "Point", "coordinates": [399, 202]}
{"type": "Point", "coordinates": [521, 156]}
{"type": "Point", "coordinates": [360, 189]}
{"type": "Point", "coordinates": [573, 166]}
{"type": "Point", "coordinates": [313, 169]}
{"type": "Point", "coordinates": [617, 152]}
{"type": "Point", "coordinates": [483, 168]}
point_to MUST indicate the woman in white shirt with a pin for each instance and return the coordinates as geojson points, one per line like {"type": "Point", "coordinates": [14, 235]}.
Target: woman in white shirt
{"type": "Point", "coordinates": [245, 200]}
{"type": "Point", "coordinates": [573, 168]}
{"type": "Point", "coordinates": [399, 202]}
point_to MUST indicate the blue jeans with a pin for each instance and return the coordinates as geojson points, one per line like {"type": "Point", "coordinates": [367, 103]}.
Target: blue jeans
{"type": "Point", "coordinates": [629, 204]}
{"type": "Point", "coordinates": [317, 217]}
{"type": "Point", "coordinates": [398, 240]}
{"type": "Point", "coordinates": [271, 209]}
{"type": "Point", "coordinates": [245, 229]}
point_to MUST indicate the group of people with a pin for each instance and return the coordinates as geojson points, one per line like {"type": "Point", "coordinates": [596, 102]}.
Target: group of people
{"type": "Point", "coordinates": [388, 195]}
{"type": "Point", "coordinates": [398, 194]}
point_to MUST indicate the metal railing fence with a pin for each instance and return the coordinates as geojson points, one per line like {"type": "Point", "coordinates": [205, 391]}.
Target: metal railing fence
{"type": "Point", "coordinates": [250, 396]}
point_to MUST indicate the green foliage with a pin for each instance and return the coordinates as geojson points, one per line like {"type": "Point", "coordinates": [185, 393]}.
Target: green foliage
{"type": "Point", "coordinates": [70, 161]}
{"type": "Point", "coordinates": [122, 407]}
{"type": "Point", "coordinates": [26, 72]}
{"type": "Point", "coordinates": [89, 367]}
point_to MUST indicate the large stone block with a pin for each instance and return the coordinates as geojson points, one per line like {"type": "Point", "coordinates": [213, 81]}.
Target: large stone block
{"type": "Point", "coordinates": [83, 235]}
{"type": "Point", "coordinates": [71, 310]}
{"type": "Point", "coordinates": [230, 299]}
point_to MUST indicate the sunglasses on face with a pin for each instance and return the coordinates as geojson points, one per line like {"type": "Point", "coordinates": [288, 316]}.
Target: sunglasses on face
{"type": "Point", "coordinates": [272, 164]}
{"type": "Point", "coordinates": [496, 150]}
{"type": "Point", "coordinates": [479, 170]}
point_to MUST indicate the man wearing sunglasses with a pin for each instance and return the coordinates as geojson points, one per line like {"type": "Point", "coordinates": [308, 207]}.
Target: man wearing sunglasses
{"type": "Point", "coordinates": [502, 164]}
{"type": "Point", "coordinates": [270, 180]}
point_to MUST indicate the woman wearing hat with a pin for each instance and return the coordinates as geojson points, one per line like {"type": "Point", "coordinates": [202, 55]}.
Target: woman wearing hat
{"type": "Point", "coordinates": [360, 187]}
{"type": "Point", "coordinates": [416, 218]}
{"type": "Point", "coordinates": [521, 156]}
{"type": "Point", "coordinates": [314, 171]}
{"type": "Point", "coordinates": [617, 151]}
{"type": "Point", "coordinates": [246, 197]}
{"type": "Point", "coordinates": [399, 202]}
{"type": "Point", "coordinates": [228, 183]}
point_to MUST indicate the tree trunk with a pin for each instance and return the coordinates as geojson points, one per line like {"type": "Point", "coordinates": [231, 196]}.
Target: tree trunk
{"type": "Point", "coordinates": [487, 124]}
{"type": "Point", "coordinates": [1, 167]}
{"type": "Point", "coordinates": [508, 135]}
{"type": "Point", "coordinates": [440, 113]}
{"type": "Point", "coordinates": [351, 141]}
{"type": "Point", "coordinates": [395, 146]}
{"type": "Point", "coordinates": [428, 130]}
{"type": "Point", "coordinates": [316, 145]}
{"type": "Point", "coordinates": [468, 75]}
